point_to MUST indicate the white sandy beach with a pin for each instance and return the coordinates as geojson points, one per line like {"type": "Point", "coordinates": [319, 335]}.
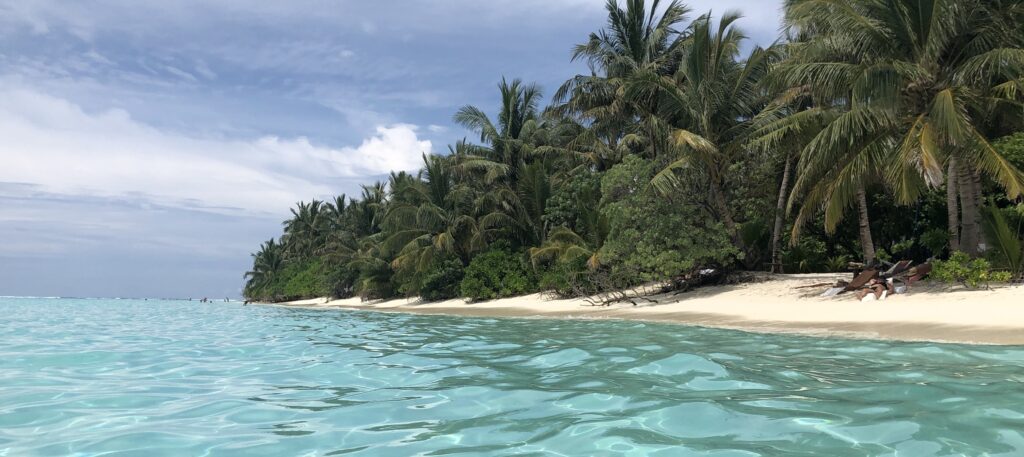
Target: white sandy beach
{"type": "Point", "coordinates": [928, 312]}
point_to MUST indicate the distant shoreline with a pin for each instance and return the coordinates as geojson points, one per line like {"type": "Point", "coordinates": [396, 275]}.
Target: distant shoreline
{"type": "Point", "coordinates": [928, 313]}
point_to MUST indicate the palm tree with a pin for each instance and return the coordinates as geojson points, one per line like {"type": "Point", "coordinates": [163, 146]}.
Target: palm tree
{"type": "Point", "coordinates": [635, 40]}
{"type": "Point", "coordinates": [432, 218]}
{"type": "Point", "coordinates": [507, 150]}
{"type": "Point", "coordinates": [364, 215]}
{"type": "Point", "coordinates": [372, 264]}
{"type": "Point", "coordinates": [267, 263]}
{"type": "Point", "coordinates": [510, 164]}
{"type": "Point", "coordinates": [709, 105]}
{"type": "Point", "coordinates": [906, 86]}
{"type": "Point", "coordinates": [304, 232]}
{"type": "Point", "coordinates": [335, 210]}
{"type": "Point", "coordinates": [517, 211]}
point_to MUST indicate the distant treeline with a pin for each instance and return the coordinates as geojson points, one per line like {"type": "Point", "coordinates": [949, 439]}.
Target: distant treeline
{"type": "Point", "coordinates": [870, 131]}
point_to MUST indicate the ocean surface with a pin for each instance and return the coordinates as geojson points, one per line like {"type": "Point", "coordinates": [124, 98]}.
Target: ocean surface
{"type": "Point", "coordinates": [172, 378]}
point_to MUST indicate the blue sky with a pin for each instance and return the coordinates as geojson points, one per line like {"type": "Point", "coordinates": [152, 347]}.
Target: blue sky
{"type": "Point", "coordinates": [146, 148]}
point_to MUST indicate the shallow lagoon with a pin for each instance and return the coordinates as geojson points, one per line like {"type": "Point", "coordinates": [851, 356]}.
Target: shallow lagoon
{"type": "Point", "coordinates": [125, 377]}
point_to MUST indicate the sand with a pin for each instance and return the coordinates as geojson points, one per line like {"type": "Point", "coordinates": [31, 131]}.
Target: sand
{"type": "Point", "coordinates": [928, 312]}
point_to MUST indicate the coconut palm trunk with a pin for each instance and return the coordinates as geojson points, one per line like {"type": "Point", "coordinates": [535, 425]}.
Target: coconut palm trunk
{"type": "Point", "coordinates": [780, 217]}
{"type": "Point", "coordinates": [865, 226]}
{"type": "Point", "coordinates": [979, 203]}
{"type": "Point", "coordinates": [952, 205]}
{"type": "Point", "coordinates": [970, 213]}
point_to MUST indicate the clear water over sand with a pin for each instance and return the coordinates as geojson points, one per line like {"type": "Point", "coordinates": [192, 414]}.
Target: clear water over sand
{"type": "Point", "coordinates": [153, 378]}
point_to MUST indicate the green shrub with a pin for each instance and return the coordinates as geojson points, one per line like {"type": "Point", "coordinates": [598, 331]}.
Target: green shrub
{"type": "Point", "coordinates": [935, 240]}
{"type": "Point", "coordinates": [443, 282]}
{"type": "Point", "coordinates": [498, 273]}
{"type": "Point", "coordinates": [566, 279]}
{"type": "Point", "coordinates": [1012, 148]}
{"type": "Point", "coordinates": [808, 256]}
{"type": "Point", "coordinates": [654, 237]}
{"type": "Point", "coordinates": [572, 202]}
{"type": "Point", "coordinates": [304, 280]}
{"type": "Point", "coordinates": [838, 263]}
{"type": "Point", "coordinates": [971, 273]}
{"type": "Point", "coordinates": [883, 256]}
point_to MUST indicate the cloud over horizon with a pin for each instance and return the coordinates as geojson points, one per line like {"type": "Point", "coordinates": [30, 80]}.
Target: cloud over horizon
{"type": "Point", "coordinates": [57, 147]}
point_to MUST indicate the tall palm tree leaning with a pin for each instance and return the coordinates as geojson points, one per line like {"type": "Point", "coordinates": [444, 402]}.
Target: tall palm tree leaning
{"type": "Point", "coordinates": [904, 88]}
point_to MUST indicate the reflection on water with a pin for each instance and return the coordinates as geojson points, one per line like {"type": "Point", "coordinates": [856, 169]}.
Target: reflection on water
{"type": "Point", "coordinates": [87, 377]}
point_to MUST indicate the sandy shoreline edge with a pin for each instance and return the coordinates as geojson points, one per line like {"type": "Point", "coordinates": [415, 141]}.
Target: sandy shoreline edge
{"type": "Point", "coordinates": [929, 312]}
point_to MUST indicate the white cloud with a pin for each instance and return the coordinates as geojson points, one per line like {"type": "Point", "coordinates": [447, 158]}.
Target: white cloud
{"type": "Point", "coordinates": [53, 144]}
{"type": "Point", "coordinates": [203, 69]}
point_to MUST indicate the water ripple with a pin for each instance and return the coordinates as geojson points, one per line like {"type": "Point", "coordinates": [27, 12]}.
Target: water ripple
{"type": "Point", "coordinates": [93, 377]}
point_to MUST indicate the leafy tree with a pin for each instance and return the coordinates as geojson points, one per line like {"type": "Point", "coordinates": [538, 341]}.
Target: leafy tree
{"type": "Point", "coordinates": [497, 273]}
{"type": "Point", "coordinates": [656, 237]}
{"type": "Point", "coordinates": [443, 281]}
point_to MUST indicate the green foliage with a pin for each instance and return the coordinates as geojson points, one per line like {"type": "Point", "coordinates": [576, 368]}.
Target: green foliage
{"type": "Point", "coordinates": [305, 280]}
{"type": "Point", "coordinates": [566, 279]}
{"type": "Point", "coordinates": [837, 263]}
{"type": "Point", "coordinates": [809, 255]}
{"type": "Point", "coordinates": [653, 236]}
{"type": "Point", "coordinates": [376, 279]}
{"type": "Point", "coordinates": [443, 281]}
{"type": "Point", "coordinates": [1007, 248]}
{"type": "Point", "coordinates": [960, 268]}
{"type": "Point", "coordinates": [756, 235]}
{"type": "Point", "coordinates": [268, 264]}
{"type": "Point", "coordinates": [935, 241]}
{"type": "Point", "coordinates": [296, 280]}
{"type": "Point", "coordinates": [563, 245]}
{"type": "Point", "coordinates": [1012, 148]}
{"type": "Point", "coordinates": [572, 202]}
{"type": "Point", "coordinates": [498, 273]}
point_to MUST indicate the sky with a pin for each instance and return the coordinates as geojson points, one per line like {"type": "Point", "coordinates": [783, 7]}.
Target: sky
{"type": "Point", "coordinates": [148, 147]}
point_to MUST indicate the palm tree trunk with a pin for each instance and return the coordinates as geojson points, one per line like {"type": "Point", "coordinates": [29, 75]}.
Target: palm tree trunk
{"type": "Point", "coordinates": [952, 205]}
{"type": "Point", "coordinates": [979, 203]}
{"type": "Point", "coordinates": [969, 228]}
{"type": "Point", "coordinates": [780, 217]}
{"type": "Point", "coordinates": [652, 139]}
{"type": "Point", "coordinates": [867, 244]}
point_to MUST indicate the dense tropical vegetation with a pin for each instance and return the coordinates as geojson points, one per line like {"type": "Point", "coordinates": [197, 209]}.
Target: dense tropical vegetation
{"type": "Point", "coordinates": [687, 148]}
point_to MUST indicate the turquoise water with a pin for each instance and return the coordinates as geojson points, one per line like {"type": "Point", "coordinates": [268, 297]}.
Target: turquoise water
{"type": "Point", "coordinates": [153, 378]}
